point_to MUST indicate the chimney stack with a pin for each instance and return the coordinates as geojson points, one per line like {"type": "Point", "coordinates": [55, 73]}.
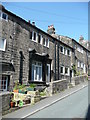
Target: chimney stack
{"type": "Point", "coordinates": [81, 38]}
{"type": "Point", "coordinates": [29, 21]}
{"type": "Point", "coordinates": [51, 29]}
{"type": "Point", "coordinates": [33, 23]}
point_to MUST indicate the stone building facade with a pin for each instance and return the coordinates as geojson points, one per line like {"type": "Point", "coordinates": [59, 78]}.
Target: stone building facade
{"type": "Point", "coordinates": [30, 55]}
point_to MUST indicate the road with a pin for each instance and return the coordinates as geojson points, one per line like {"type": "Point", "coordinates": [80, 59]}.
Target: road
{"type": "Point", "coordinates": [73, 106]}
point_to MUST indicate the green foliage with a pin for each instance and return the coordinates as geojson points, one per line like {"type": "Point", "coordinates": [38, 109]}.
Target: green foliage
{"type": "Point", "coordinates": [87, 77]}
{"type": "Point", "coordinates": [42, 94]}
{"type": "Point", "coordinates": [74, 69]}
{"type": "Point", "coordinates": [18, 86]}
{"type": "Point", "coordinates": [77, 73]}
{"type": "Point", "coordinates": [32, 85]}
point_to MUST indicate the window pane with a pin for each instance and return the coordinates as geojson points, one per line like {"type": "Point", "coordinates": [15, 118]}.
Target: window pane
{"type": "Point", "coordinates": [36, 73]}
{"type": "Point", "coordinates": [34, 36]}
{"type": "Point", "coordinates": [47, 42]}
{"type": "Point", "coordinates": [68, 52]}
{"type": "Point", "coordinates": [4, 16]}
{"type": "Point", "coordinates": [32, 72]}
{"type": "Point", "coordinates": [39, 38]}
{"type": "Point", "coordinates": [61, 69]}
{"type": "Point", "coordinates": [66, 70]}
{"type": "Point", "coordinates": [0, 13]}
{"type": "Point", "coordinates": [1, 43]}
{"type": "Point", "coordinates": [43, 41]}
{"type": "Point", "coordinates": [40, 73]}
{"type": "Point", "coordinates": [61, 49]}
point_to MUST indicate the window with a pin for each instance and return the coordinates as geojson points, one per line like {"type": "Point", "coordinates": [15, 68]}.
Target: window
{"type": "Point", "coordinates": [0, 14]}
{"type": "Point", "coordinates": [78, 64]}
{"type": "Point", "coordinates": [80, 49]}
{"type": "Point", "coordinates": [65, 51]}
{"type": "Point", "coordinates": [68, 52]}
{"type": "Point", "coordinates": [48, 72]}
{"type": "Point", "coordinates": [62, 70]}
{"type": "Point", "coordinates": [34, 36]}
{"type": "Point", "coordinates": [3, 16]}
{"type": "Point", "coordinates": [81, 65]}
{"type": "Point", "coordinates": [62, 49]}
{"type": "Point", "coordinates": [4, 83]}
{"type": "Point", "coordinates": [47, 42]}
{"type": "Point", "coordinates": [31, 35]}
{"type": "Point", "coordinates": [66, 71]}
{"type": "Point", "coordinates": [39, 39]}
{"type": "Point", "coordinates": [44, 41]}
{"type": "Point", "coordinates": [37, 71]}
{"type": "Point", "coordinates": [2, 44]}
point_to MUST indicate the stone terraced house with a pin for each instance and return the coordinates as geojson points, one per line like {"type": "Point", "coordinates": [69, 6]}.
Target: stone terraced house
{"type": "Point", "coordinates": [30, 55]}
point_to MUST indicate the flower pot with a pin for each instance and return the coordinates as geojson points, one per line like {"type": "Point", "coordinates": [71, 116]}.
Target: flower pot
{"type": "Point", "coordinates": [30, 89]}
{"type": "Point", "coordinates": [12, 104]}
{"type": "Point", "coordinates": [23, 92]}
{"type": "Point", "coordinates": [16, 91]}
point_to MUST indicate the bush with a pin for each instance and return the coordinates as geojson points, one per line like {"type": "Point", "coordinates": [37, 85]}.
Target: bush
{"type": "Point", "coordinates": [32, 85]}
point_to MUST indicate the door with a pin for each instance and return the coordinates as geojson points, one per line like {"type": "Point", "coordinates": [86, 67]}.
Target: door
{"type": "Point", "coordinates": [48, 73]}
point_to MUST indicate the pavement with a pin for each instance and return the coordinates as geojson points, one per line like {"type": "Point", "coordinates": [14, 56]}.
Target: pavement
{"type": "Point", "coordinates": [31, 109]}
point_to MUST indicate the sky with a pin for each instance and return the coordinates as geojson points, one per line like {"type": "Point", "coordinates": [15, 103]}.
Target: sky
{"type": "Point", "coordinates": [69, 18]}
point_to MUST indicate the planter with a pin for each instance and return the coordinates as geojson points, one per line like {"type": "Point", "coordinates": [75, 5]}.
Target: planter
{"type": "Point", "coordinates": [30, 89]}
{"type": "Point", "coordinates": [23, 92]}
{"type": "Point", "coordinates": [26, 101]}
{"type": "Point", "coordinates": [12, 104]}
{"type": "Point", "coordinates": [16, 91]}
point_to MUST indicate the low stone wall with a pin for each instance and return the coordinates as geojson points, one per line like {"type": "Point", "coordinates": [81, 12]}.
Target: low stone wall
{"type": "Point", "coordinates": [78, 79]}
{"type": "Point", "coordinates": [5, 96]}
{"type": "Point", "coordinates": [58, 86]}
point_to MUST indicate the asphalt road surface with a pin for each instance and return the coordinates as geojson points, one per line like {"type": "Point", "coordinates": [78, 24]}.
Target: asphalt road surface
{"type": "Point", "coordinates": [73, 106]}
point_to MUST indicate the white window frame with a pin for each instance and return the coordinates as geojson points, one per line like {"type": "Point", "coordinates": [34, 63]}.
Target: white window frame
{"type": "Point", "coordinates": [38, 65]}
{"type": "Point", "coordinates": [81, 64]}
{"type": "Point", "coordinates": [33, 36]}
{"type": "Point", "coordinates": [4, 45]}
{"type": "Point", "coordinates": [40, 38]}
{"type": "Point", "coordinates": [2, 15]}
{"type": "Point", "coordinates": [78, 63]}
{"type": "Point", "coordinates": [63, 70]}
{"type": "Point", "coordinates": [47, 42]}
{"type": "Point", "coordinates": [68, 71]}
{"type": "Point", "coordinates": [63, 49]}
{"type": "Point", "coordinates": [48, 76]}
{"type": "Point", "coordinates": [69, 52]}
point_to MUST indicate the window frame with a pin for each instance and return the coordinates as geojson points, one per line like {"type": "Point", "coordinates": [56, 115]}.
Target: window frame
{"type": "Point", "coordinates": [63, 49]}
{"type": "Point", "coordinates": [78, 64]}
{"type": "Point", "coordinates": [40, 39]}
{"type": "Point", "coordinates": [63, 70]}
{"type": "Point", "coordinates": [68, 73]}
{"type": "Point", "coordinates": [2, 16]}
{"type": "Point", "coordinates": [34, 33]}
{"type": "Point", "coordinates": [37, 66]}
{"type": "Point", "coordinates": [4, 45]}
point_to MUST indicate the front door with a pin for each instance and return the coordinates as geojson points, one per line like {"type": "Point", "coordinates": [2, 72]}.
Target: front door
{"type": "Point", "coordinates": [48, 73]}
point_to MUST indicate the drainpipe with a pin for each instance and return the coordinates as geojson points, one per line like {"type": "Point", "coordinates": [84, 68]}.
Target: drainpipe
{"type": "Point", "coordinates": [55, 61]}
{"type": "Point", "coordinates": [58, 59]}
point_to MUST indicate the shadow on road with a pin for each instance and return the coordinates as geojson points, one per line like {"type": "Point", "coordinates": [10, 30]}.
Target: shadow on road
{"type": "Point", "coordinates": [88, 113]}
